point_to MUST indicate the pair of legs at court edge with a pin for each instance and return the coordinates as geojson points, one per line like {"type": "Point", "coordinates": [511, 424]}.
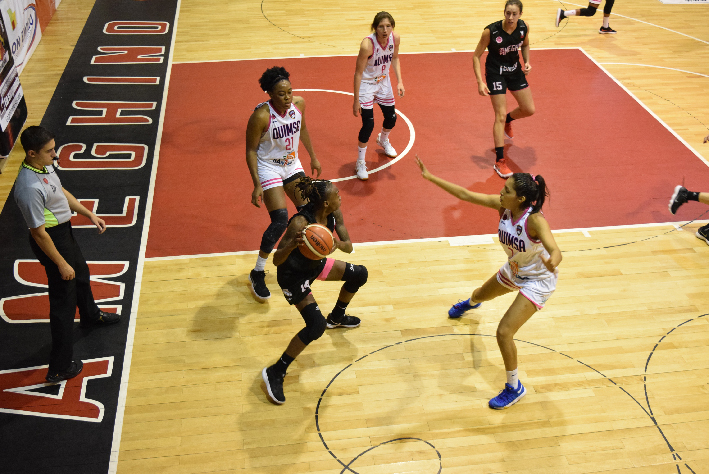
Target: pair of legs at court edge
{"type": "Point", "coordinates": [590, 11]}
{"type": "Point", "coordinates": [275, 201]}
{"type": "Point", "coordinates": [354, 277]}
{"type": "Point", "coordinates": [517, 314]}
{"type": "Point", "coordinates": [502, 128]}
{"type": "Point", "coordinates": [681, 196]}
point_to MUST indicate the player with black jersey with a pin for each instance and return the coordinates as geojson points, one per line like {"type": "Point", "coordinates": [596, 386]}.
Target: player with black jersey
{"type": "Point", "coordinates": [504, 40]}
{"type": "Point", "coordinates": [295, 274]}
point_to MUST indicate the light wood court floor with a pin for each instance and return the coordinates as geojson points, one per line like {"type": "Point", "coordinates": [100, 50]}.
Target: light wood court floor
{"type": "Point", "coordinates": [615, 367]}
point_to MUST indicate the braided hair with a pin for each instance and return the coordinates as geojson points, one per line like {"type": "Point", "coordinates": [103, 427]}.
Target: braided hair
{"type": "Point", "coordinates": [533, 188]}
{"type": "Point", "coordinates": [315, 191]}
{"type": "Point", "coordinates": [273, 76]}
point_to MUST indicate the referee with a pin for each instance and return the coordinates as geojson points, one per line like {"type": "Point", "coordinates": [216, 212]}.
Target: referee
{"type": "Point", "coordinates": [47, 208]}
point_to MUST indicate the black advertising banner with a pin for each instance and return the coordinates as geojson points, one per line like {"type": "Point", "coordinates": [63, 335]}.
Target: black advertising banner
{"type": "Point", "coordinates": [106, 114]}
{"type": "Point", "coordinates": [13, 109]}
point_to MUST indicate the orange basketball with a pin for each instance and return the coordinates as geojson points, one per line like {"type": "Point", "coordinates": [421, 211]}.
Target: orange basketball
{"type": "Point", "coordinates": [318, 242]}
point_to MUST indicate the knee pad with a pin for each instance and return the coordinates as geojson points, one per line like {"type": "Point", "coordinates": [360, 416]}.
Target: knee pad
{"type": "Point", "coordinates": [389, 112]}
{"type": "Point", "coordinates": [279, 223]}
{"type": "Point", "coordinates": [354, 277]}
{"type": "Point", "coordinates": [608, 7]}
{"type": "Point", "coordinates": [315, 324]}
{"type": "Point", "coordinates": [590, 11]}
{"type": "Point", "coordinates": [367, 125]}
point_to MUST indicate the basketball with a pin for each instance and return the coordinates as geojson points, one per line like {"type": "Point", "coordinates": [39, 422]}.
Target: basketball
{"type": "Point", "coordinates": [318, 242]}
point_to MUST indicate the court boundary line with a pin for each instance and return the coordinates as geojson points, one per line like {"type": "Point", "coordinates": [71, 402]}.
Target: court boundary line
{"type": "Point", "coordinates": [651, 24]}
{"type": "Point", "coordinates": [653, 114]}
{"type": "Point", "coordinates": [482, 239]}
{"type": "Point", "coordinates": [137, 288]}
{"type": "Point", "coordinates": [453, 50]}
{"type": "Point", "coordinates": [659, 67]}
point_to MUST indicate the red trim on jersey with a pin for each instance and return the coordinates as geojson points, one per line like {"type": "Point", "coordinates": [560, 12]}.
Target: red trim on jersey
{"type": "Point", "coordinates": [283, 115]}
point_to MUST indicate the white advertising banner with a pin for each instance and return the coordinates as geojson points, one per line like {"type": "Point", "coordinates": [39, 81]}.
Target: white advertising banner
{"type": "Point", "coordinates": [22, 26]}
{"type": "Point", "coordinates": [686, 2]}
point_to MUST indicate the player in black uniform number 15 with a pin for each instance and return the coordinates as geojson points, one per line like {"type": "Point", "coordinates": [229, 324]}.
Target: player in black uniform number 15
{"type": "Point", "coordinates": [504, 40]}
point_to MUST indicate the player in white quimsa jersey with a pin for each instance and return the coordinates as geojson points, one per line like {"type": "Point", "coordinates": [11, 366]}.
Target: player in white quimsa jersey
{"type": "Point", "coordinates": [272, 137]}
{"type": "Point", "coordinates": [531, 268]}
{"type": "Point", "coordinates": [378, 53]}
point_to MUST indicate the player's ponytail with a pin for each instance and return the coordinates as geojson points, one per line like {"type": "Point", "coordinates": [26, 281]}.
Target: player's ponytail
{"type": "Point", "coordinates": [315, 191]}
{"type": "Point", "coordinates": [532, 188]}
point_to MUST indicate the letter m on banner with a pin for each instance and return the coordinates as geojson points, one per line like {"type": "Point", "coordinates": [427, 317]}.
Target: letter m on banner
{"type": "Point", "coordinates": [34, 307]}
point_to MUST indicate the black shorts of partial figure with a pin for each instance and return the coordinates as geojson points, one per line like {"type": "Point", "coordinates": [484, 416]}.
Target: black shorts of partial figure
{"type": "Point", "coordinates": [389, 112]}
{"type": "Point", "coordinates": [500, 83]}
{"type": "Point", "coordinates": [591, 10]}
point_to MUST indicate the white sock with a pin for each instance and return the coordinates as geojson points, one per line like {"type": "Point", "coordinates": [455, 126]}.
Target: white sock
{"type": "Point", "coordinates": [512, 378]}
{"type": "Point", "coordinates": [384, 136]}
{"type": "Point", "coordinates": [361, 152]}
{"type": "Point", "coordinates": [570, 13]}
{"type": "Point", "coordinates": [606, 21]}
{"type": "Point", "coordinates": [260, 263]}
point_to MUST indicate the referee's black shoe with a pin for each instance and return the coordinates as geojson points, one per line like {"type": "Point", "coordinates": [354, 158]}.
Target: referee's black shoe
{"type": "Point", "coordinates": [258, 285]}
{"type": "Point", "coordinates": [104, 319]}
{"type": "Point", "coordinates": [74, 369]}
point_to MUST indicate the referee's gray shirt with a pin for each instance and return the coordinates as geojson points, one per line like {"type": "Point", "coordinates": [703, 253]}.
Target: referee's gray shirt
{"type": "Point", "coordinates": [39, 195]}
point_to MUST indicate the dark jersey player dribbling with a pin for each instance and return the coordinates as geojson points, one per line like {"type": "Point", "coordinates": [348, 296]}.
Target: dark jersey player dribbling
{"type": "Point", "coordinates": [296, 274]}
{"type": "Point", "coordinates": [505, 39]}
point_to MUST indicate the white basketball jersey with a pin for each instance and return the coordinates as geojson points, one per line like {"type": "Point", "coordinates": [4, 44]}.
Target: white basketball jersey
{"type": "Point", "coordinates": [279, 144]}
{"type": "Point", "coordinates": [378, 63]}
{"type": "Point", "coordinates": [523, 253]}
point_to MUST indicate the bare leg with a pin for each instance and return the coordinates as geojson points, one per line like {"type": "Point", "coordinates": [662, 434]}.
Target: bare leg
{"type": "Point", "coordinates": [499, 104]}
{"type": "Point", "coordinates": [518, 313]}
{"type": "Point", "coordinates": [525, 104]}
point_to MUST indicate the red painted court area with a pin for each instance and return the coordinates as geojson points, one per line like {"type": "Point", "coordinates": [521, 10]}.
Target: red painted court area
{"type": "Point", "coordinates": [606, 159]}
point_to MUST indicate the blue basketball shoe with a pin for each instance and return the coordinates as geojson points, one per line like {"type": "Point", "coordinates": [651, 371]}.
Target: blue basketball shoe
{"type": "Point", "coordinates": [461, 307]}
{"type": "Point", "coordinates": [508, 396]}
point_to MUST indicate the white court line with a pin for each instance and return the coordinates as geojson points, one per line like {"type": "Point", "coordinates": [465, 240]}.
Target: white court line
{"type": "Point", "coordinates": [127, 358]}
{"type": "Point", "coordinates": [455, 241]}
{"type": "Point", "coordinates": [412, 135]}
{"type": "Point", "coordinates": [627, 91]}
{"type": "Point", "coordinates": [659, 67]}
{"type": "Point", "coordinates": [648, 23]}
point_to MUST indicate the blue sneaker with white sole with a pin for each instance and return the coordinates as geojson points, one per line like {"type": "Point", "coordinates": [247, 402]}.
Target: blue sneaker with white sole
{"type": "Point", "coordinates": [458, 309]}
{"type": "Point", "coordinates": [508, 396]}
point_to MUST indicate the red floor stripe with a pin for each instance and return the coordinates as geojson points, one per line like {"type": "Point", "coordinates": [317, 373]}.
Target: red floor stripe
{"type": "Point", "coordinates": [606, 159]}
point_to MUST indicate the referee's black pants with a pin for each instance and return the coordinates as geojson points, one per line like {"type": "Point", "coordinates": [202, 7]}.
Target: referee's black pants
{"type": "Point", "coordinates": [65, 295]}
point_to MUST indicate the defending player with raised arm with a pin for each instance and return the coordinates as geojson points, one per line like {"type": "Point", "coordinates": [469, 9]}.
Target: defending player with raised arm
{"type": "Point", "coordinates": [272, 136]}
{"type": "Point", "coordinates": [531, 267]}
{"type": "Point", "coordinates": [296, 274]}
{"type": "Point", "coordinates": [372, 83]}
{"type": "Point", "coordinates": [590, 11]}
{"type": "Point", "coordinates": [504, 40]}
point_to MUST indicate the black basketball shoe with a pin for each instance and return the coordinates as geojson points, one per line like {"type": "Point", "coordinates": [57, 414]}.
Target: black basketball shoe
{"type": "Point", "coordinates": [258, 285]}
{"type": "Point", "coordinates": [274, 384]}
{"type": "Point", "coordinates": [678, 198]}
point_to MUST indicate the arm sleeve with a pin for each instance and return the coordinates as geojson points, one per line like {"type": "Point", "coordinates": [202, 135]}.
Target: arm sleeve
{"type": "Point", "coordinates": [31, 204]}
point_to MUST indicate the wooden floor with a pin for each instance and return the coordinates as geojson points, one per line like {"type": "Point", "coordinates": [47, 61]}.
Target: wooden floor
{"type": "Point", "coordinates": [616, 366]}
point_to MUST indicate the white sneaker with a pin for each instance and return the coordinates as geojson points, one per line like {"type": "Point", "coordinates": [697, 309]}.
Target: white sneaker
{"type": "Point", "coordinates": [388, 149]}
{"type": "Point", "coordinates": [361, 170]}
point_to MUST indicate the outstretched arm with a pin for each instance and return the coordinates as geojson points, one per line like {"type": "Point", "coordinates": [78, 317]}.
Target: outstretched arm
{"type": "Point", "coordinates": [488, 200]}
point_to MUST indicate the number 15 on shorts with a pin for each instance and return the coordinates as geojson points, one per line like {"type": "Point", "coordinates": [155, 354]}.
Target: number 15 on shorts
{"type": "Point", "coordinates": [497, 86]}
